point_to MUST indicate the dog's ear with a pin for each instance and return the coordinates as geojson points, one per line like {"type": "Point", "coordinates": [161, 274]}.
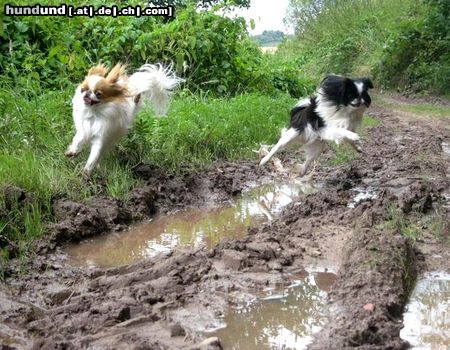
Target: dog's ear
{"type": "Point", "coordinates": [116, 73]}
{"type": "Point", "coordinates": [99, 69]}
{"type": "Point", "coordinates": [368, 83]}
{"type": "Point", "coordinates": [336, 87]}
{"type": "Point", "coordinates": [330, 78]}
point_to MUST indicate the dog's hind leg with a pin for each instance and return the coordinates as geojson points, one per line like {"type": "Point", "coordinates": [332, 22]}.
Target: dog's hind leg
{"type": "Point", "coordinates": [287, 137]}
{"type": "Point", "coordinates": [312, 152]}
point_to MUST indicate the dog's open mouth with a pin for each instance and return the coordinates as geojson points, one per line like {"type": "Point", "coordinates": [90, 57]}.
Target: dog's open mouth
{"type": "Point", "coordinates": [89, 101]}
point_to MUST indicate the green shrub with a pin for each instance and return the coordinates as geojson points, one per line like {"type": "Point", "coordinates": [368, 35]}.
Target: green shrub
{"type": "Point", "coordinates": [417, 58]}
{"type": "Point", "coordinates": [214, 53]}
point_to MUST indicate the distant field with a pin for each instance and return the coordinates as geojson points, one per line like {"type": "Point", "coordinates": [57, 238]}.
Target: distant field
{"type": "Point", "coordinates": [269, 49]}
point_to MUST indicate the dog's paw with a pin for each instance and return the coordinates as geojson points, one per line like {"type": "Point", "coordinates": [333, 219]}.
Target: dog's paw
{"type": "Point", "coordinates": [86, 175]}
{"type": "Point", "coordinates": [301, 169]}
{"type": "Point", "coordinates": [71, 153]}
{"type": "Point", "coordinates": [264, 161]}
{"type": "Point", "coordinates": [352, 136]}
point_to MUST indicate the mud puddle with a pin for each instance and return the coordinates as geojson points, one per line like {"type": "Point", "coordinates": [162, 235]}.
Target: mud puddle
{"type": "Point", "coordinates": [427, 319]}
{"type": "Point", "coordinates": [362, 194]}
{"type": "Point", "coordinates": [285, 320]}
{"type": "Point", "coordinates": [190, 228]}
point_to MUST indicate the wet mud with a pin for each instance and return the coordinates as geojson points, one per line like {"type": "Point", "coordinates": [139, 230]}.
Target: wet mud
{"type": "Point", "coordinates": [358, 222]}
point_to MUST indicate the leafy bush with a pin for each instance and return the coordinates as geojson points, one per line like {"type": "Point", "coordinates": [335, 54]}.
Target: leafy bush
{"type": "Point", "coordinates": [417, 58]}
{"type": "Point", "coordinates": [213, 52]}
{"type": "Point", "coordinates": [405, 44]}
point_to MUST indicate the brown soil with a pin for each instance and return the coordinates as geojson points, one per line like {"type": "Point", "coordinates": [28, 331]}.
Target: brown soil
{"type": "Point", "coordinates": [166, 302]}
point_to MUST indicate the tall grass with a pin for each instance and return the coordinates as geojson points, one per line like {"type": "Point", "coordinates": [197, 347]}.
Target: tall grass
{"type": "Point", "coordinates": [348, 37]}
{"type": "Point", "coordinates": [198, 131]}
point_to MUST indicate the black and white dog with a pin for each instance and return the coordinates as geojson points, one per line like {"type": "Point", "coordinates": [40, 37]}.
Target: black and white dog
{"type": "Point", "coordinates": [333, 114]}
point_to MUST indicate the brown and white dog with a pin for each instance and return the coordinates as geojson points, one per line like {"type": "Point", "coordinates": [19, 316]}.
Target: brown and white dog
{"type": "Point", "coordinates": [105, 103]}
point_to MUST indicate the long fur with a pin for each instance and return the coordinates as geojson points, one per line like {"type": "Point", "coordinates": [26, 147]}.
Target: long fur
{"type": "Point", "coordinates": [332, 114]}
{"type": "Point", "coordinates": [105, 103]}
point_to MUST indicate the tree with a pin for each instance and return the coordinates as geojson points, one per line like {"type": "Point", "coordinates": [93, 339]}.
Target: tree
{"type": "Point", "coordinates": [269, 37]}
{"type": "Point", "coordinates": [301, 12]}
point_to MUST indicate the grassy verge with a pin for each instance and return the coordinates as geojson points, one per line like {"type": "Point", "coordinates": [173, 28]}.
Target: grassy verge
{"type": "Point", "coordinates": [329, 42]}
{"type": "Point", "coordinates": [426, 109]}
{"type": "Point", "coordinates": [416, 225]}
{"type": "Point", "coordinates": [36, 127]}
{"type": "Point", "coordinates": [419, 109]}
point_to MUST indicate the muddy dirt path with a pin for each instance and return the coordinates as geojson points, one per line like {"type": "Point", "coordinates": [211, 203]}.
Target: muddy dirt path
{"type": "Point", "coordinates": [166, 302]}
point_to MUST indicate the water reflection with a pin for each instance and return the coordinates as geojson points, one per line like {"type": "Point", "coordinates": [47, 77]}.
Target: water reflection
{"type": "Point", "coordinates": [427, 321]}
{"type": "Point", "coordinates": [190, 228]}
{"type": "Point", "coordinates": [281, 321]}
{"type": "Point", "coordinates": [362, 194]}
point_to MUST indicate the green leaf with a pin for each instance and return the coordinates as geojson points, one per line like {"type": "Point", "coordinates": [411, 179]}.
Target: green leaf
{"type": "Point", "coordinates": [179, 60]}
{"type": "Point", "coordinates": [21, 27]}
{"type": "Point", "coordinates": [54, 51]}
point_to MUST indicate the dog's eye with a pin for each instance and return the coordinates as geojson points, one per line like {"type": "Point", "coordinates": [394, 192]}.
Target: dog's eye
{"type": "Point", "coordinates": [83, 89]}
{"type": "Point", "coordinates": [98, 94]}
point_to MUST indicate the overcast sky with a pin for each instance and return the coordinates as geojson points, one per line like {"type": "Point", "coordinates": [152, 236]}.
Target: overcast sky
{"type": "Point", "coordinates": [267, 14]}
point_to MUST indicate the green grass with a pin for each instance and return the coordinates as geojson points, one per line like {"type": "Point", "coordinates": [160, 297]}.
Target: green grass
{"type": "Point", "coordinates": [398, 221]}
{"type": "Point", "coordinates": [198, 131]}
{"type": "Point", "coordinates": [332, 43]}
{"type": "Point", "coordinates": [342, 154]}
{"type": "Point", "coordinates": [426, 110]}
{"type": "Point", "coordinates": [416, 225]}
{"type": "Point", "coordinates": [415, 108]}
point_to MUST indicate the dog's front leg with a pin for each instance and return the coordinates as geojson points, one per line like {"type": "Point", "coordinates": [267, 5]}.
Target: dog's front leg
{"type": "Point", "coordinates": [77, 144]}
{"type": "Point", "coordinates": [97, 148]}
{"type": "Point", "coordinates": [338, 135]}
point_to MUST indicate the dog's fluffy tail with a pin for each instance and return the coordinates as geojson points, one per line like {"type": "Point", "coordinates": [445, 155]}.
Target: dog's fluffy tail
{"type": "Point", "coordinates": [155, 82]}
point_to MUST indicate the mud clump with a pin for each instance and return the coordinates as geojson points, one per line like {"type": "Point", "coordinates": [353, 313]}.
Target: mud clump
{"type": "Point", "coordinates": [219, 182]}
{"type": "Point", "coordinates": [142, 201]}
{"type": "Point", "coordinates": [76, 221]}
{"type": "Point", "coordinates": [14, 196]}
{"type": "Point", "coordinates": [368, 317]}
{"type": "Point", "coordinates": [417, 197]}
{"type": "Point", "coordinates": [233, 178]}
{"type": "Point", "coordinates": [115, 213]}
{"type": "Point", "coordinates": [10, 247]}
